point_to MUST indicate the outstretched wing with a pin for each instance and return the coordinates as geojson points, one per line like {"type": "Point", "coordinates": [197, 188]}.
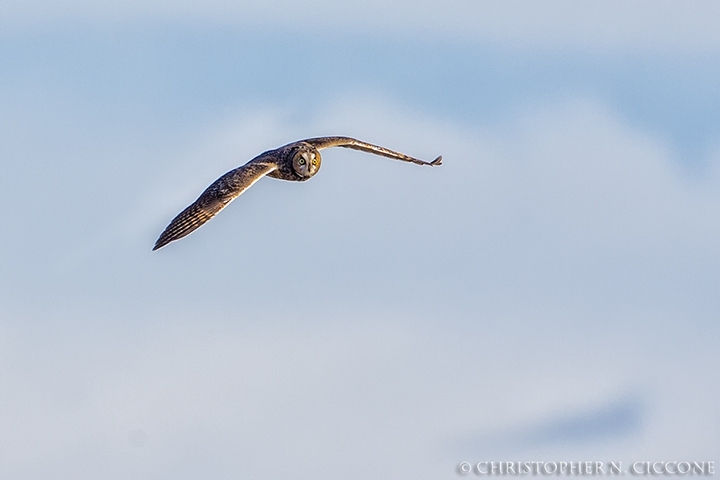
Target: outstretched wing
{"type": "Point", "coordinates": [347, 142]}
{"type": "Point", "coordinates": [216, 197]}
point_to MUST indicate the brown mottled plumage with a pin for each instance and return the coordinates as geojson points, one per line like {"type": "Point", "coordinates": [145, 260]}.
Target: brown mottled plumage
{"type": "Point", "coordinates": [297, 161]}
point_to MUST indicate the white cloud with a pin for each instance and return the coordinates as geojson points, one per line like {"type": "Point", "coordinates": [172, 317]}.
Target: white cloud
{"type": "Point", "coordinates": [351, 397]}
{"type": "Point", "coordinates": [611, 24]}
{"type": "Point", "coordinates": [223, 357]}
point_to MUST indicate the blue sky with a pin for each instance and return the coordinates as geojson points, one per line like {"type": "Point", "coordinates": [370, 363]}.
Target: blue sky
{"type": "Point", "coordinates": [548, 293]}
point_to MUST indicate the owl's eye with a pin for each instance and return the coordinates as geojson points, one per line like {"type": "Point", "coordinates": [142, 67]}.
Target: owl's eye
{"type": "Point", "coordinates": [314, 162]}
{"type": "Point", "coordinates": [301, 161]}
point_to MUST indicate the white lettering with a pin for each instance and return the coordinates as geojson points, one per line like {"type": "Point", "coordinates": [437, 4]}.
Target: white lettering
{"type": "Point", "coordinates": [680, 469]}
{"type": "Point", "coordinates": [588, 468]}
{"type": "Point", "coordinates": [634, 469]}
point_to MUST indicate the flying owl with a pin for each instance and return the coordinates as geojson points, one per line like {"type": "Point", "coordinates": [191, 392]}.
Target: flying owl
{"type": "Point", "coordinates": [297, 162]}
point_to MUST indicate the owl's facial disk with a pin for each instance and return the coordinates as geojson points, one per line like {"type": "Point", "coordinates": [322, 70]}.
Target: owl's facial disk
{"type": "Point", "coordinates": [306, 162]}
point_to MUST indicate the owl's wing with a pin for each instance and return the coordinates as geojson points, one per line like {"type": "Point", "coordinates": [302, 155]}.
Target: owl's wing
{"type": "Point", "coordinates": [216, 197]}
{"type": "Point", "coordinates": [347, 142]}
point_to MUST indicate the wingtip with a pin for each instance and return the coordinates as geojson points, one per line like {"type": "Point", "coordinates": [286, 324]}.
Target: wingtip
{"type": "Point", "coordinates": [161, 242]}
{"type": "Point", "coordinates": [437, 161]}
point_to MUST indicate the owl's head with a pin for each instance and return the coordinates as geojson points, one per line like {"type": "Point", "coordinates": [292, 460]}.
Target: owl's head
{"type": "Point", "coordinates": [306, 160]}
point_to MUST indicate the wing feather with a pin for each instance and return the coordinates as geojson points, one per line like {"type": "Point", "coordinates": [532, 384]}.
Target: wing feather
{"type": "Point", "coordinates": [216, 197]}
{"type": "Point", "coordinates": [348, 142]}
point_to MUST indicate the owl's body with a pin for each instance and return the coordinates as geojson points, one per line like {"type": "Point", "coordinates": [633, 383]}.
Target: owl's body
{"type": "Point", "coordinates": [297, 162]}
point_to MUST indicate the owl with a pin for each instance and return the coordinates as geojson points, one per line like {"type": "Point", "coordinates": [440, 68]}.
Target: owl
{"type": "Point", "coordinates": [297, 162]}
